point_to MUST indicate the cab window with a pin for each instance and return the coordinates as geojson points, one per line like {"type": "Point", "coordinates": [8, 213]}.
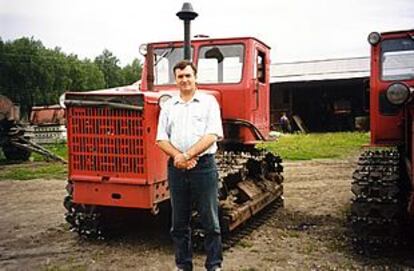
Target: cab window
{"type": "Point", "coordinates": [220, 64]}
{"type": "Point", "coordinates": [260, 67]}
{"type": "Point", "coordinates": [397, 59]}
{"type": "Point", "coordinates": [164, 62]}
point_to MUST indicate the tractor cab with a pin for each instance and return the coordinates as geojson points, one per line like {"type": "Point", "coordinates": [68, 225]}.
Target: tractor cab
{"type": "Point", "coordinates": [391, 85]}
{"type": "Point", "coordinates": [234, 70]}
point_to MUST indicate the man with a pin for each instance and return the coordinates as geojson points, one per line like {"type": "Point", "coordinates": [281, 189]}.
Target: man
{"type": "Point", "coordinates": [188, 128]}
{"type": "Point", "coordinates": [285, 123]}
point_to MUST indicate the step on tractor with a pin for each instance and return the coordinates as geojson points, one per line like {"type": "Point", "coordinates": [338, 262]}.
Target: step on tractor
{"type": "Point", "coordinates": [114, 163]}
{"type": "Point", "coordinates": [383, 202]}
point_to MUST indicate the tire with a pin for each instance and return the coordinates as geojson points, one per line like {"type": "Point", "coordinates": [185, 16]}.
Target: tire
{"type": "Point", "coordinates": [13, 153]}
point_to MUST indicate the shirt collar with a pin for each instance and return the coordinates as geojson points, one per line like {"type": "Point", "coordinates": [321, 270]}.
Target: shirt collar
{"type": "Point", "coordinates": [196, 98]}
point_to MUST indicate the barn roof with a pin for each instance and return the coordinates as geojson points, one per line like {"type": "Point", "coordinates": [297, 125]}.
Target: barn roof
{"type": "Point", "coordinates": [316, 70]}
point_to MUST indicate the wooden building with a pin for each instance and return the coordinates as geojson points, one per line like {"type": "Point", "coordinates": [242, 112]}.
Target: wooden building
{"type": "Point", "coordinates": [325, 95]}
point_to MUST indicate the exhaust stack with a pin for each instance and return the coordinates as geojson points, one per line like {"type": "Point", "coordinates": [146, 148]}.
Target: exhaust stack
{"type": "Point", "coordinates": [187, 14]}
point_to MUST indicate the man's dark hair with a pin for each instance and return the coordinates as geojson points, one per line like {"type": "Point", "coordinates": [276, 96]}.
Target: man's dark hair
{"type": "Point", "coordinates": [183, 64]}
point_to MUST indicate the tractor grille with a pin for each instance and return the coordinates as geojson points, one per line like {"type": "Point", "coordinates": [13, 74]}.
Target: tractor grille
{"type": "Point", "coordinates": [106, 141]}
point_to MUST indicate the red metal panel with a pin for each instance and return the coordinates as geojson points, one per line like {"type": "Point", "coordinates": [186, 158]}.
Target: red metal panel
{"type": "Point", "coordinates": [47, 115]}
{"type": "Point", "coordinates": [156, 164]}
{"type": "Point", "coordinates": [113, 160]}
{"type": "Point", "coordinates": [408, 159]}
{"type": "Point", "coordinates": [106, 142]}
{"type": "Point", "coordinates": [106, 194]}
{"type": "Point", "coordinates": [385, 130]}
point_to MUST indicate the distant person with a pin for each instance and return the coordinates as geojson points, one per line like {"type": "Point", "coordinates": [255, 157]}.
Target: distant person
{"type": "Point", "coordinates": [285, 123]}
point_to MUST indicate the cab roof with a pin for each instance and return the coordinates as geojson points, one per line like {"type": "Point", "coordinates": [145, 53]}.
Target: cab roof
{"type": "Point", "coordinates": [200, 40]}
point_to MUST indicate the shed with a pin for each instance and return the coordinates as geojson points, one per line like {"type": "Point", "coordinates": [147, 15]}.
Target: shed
{"type": "Point", "coordinates": [326, 95]}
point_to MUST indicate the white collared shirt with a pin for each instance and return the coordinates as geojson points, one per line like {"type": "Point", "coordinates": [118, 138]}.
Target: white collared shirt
{"type": "Point", "coordinates": [184, 123]}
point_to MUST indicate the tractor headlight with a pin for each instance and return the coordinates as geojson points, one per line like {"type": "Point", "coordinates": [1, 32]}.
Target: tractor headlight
{"type": "Point", "coordinates": [62, 100]}
{"type": "Point", "coordinates": [163, 99]}
{"type": "Point", "coordinates": [398, 93]}
{"type": "Point", "coordinates": [143, 49]}
{"type": "Point", "coordinates": [374, 38]}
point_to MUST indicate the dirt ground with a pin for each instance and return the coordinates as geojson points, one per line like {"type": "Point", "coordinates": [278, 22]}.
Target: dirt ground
{"type": "Point", "coordinates": [309, 233]}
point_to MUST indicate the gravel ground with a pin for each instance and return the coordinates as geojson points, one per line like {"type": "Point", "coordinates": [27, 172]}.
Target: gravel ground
{"type": "Point", "coordinates": [309, 233]}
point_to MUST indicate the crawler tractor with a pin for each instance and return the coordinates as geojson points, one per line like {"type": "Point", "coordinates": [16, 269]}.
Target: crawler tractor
{"type": "Point", "coordinates": [383, 182]}
{"type": "Point", "coordinates": [113, 159]}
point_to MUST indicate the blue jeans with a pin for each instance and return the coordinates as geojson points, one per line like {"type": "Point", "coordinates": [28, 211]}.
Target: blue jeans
{"type": "Point", "coordinates": [198, 185]}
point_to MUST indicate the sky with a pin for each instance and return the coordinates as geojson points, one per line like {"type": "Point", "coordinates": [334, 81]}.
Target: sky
{"type": "Point", "coordinates": [296, 30]}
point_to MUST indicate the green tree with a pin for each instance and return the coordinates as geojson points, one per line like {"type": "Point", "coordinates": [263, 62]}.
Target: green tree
{"type": "Point", "coordinates": [85, 75]}
{"type": "Point", "coordinates": [19, 77]}
{"type": "Point", "coordinates": [93, 77]}
{"type": "Point", "coordinates": [108, 64]}
{"type": "Point", "coordinates": [31, 74]}
{"type": "Point", "coordinates": [132, 72]}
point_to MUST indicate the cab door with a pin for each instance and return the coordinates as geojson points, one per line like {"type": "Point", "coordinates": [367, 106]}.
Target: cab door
{"type": "Point", "coordinates": [260, 102]}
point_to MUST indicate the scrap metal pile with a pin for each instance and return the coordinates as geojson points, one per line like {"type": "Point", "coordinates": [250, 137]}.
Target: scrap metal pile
{"type": "Point", "coordinates": [14, 142]}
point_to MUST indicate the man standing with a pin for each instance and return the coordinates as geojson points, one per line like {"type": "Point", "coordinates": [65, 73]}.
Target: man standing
{"type": "Point", "coordinates": [285, 123]}
{"type": "Point", "coordinates": [188, 128]}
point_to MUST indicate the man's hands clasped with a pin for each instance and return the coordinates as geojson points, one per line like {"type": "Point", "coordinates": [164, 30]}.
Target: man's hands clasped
{"type": "Point", "coordinates": [181, 162]}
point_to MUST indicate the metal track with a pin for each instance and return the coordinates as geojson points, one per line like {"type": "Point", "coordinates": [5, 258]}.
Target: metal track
{"type": "Point", "coordinates": [229, 240]}
{"type": "Point", "coordinates": [379, 203]}
{"type": "Point", "coordinates": [249, 183]}
{"type": "Point", "coordinates": [85, 220]}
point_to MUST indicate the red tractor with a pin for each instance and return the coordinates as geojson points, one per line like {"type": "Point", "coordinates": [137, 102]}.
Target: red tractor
{"type": "Point", "coordinates": [113, 159]}
{"type": "Point", "coordinates": [383, 182]}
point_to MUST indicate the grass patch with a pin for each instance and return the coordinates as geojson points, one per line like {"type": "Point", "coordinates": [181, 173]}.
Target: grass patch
{"type": "Point", "coordinates": [316, 146]}
{"type": "Point", "coordinates": [59, 149]}
{"type": "Point", "coordinates": [36, 168]}
{"type": "Point", "coordinates": [29, 171]}
{"type": "Point", "coordinates": [290, 147]}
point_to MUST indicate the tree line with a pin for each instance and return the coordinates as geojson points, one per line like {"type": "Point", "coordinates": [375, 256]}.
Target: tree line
{"type": "Point", "coordinates": [31, 74]}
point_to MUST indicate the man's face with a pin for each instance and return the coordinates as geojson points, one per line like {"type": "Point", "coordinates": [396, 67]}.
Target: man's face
{"type": "Point", "coordinates": [185, 79]}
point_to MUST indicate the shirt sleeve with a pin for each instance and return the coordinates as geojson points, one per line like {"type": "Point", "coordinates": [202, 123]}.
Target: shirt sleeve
{"type": "Point", "coordinates": [162, 133]}
{"type": "Point", "coordinates": [214, 124]}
